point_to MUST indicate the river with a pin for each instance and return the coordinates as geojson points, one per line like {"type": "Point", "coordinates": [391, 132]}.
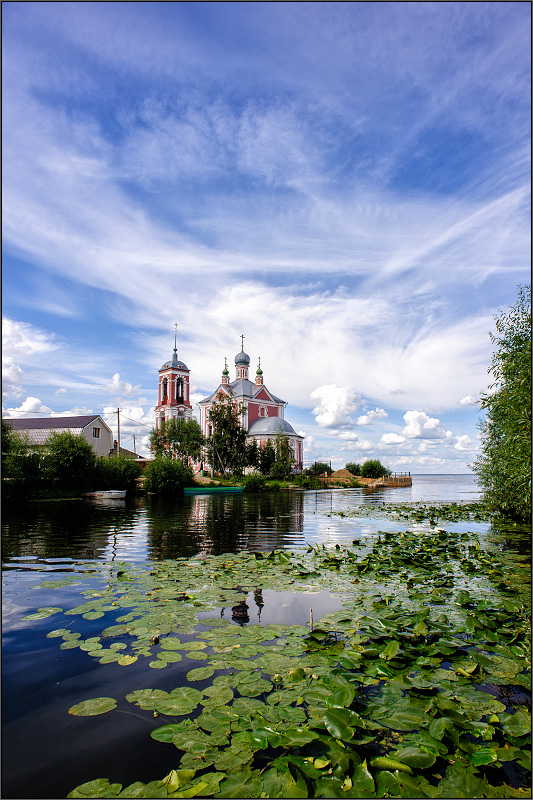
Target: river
{"type": "Point", "coordinates": [44, 753]}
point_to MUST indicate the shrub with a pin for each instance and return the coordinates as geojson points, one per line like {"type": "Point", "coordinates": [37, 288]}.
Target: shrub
{"type": "Point", "coordinates": [166, 477]}
{"type": "Point", "coordinates": [254, 482]}
{"type": "Point", "coordinates": [274, 486]}
{"type": "Point", "coordinates": [307, 482]}
{"type": "Point", "coordinates": [117, 473]}
{"type": "Point", "coordinates": [355, 469]}
{"type": "Point", "coordinates": [374, 469]}
{"type": "Point", "coordinates": [69, 463]}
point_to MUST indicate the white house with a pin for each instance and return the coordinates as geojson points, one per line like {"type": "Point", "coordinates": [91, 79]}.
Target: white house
{"type": "Point", "coordinates": [92, 427]}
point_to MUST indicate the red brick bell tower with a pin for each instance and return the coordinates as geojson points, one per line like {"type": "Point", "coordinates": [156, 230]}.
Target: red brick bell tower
{"type": "Point", "coordinates": [174, 391]}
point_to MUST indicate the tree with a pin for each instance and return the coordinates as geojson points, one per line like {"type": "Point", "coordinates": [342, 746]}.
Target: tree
{"type": "Point", "coordinates": [504, 465]}
{"type": "Point", "coordinates": [355, 469]}
{"type": "Point", "coordinates": [226, 447]}
{"type": "Point", "coordinates": [267, 456]}
{"type": "Point", "coordinates": [252, 454]}
{"type": "Point", "coordinates": [319, 468]}
{"type": "Point", "coordinates": [20, 467]}
{"type": "Point", "coordinates": [284, 457]}
{"type": "Point", "coordinates": [166, 477]}
{"type": "Point", "coordinates": [69, 463]}
{"type": "Point", "coordinates": [374, 469]}
{"type": "Point", "coordinates": [119, 472]}
{"type": "Point", "coordinates": [180, 437]}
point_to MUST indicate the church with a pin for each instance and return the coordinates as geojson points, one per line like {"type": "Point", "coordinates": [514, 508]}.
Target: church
{"type": "Point", "coordinates": [263, 412]}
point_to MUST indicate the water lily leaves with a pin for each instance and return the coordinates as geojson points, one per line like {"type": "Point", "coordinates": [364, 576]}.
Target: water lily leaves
{"type": "Point", "coordinates": [460, 781]}
{"type": "Point", "coordinates": [180, 701]}
{"type": "Point", "coordinates": [200, 673]}
{"type": "Point", "coordinates": [337, 721]}
{"type": "Point", "coordinates": [93, 707]}
{"type": "Point", "coordinates": [42, 613]}
{"type": "Point", "coordinates": [518, 724]}
{"type": "Point", "coordinates": [415, 757]}
{"type": "Point", "coordinates": [170, 657]}
{"type": "Point", "coordinates": [98, 788]}
{"type": "Point", "coordinates": [147, 699]}
{"type": "Point", "coordinates": [217, 696]}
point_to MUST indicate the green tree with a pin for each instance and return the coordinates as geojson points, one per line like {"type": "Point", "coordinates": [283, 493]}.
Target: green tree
{"type": "Point", "coordinates": [180, 437]}
{"type": "Point", "coordinates": [20, 467]}
{"type": "Point", "coordinates": [252, 454]}
{"type": "Point", "coordinates": [118, 472]}
{"type": "Point", "coordinates": [267, 456]}
{"type": "Point", "coordinates": [355, 469]}
{"type": "Point", "coordinates": [69, 463]}
{"type": "Point", "coordinates": [284, 457]}
{"type": "Point", "coordinates": [374, 469]}
{"type": "Point", "coordinates": [504, 465]}
{"type": "Point", "coordinates": [318, 468]}
{"type": "Point", "coordinates": [226, 447]}
{"type": "Point", "coordinates": [167, 477]}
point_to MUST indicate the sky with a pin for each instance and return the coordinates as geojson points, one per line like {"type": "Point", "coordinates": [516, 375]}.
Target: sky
{"type": "Point", "coordinates": [346, 184]}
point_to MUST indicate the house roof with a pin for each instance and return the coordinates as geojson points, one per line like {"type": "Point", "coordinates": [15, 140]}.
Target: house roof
{"type": "Point", "coordinates": [44, 423]}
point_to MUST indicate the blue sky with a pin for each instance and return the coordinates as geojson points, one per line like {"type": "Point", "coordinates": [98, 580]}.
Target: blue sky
{"type": "Point", "coordinates": [347, 184]}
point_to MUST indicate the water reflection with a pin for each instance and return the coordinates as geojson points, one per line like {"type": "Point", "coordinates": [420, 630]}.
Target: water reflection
{"type": "Point", "coordinates": [150, 528]}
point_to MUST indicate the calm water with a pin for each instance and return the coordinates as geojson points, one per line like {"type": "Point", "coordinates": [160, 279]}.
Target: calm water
{"type": "Point", "coordinates": [46, 751]}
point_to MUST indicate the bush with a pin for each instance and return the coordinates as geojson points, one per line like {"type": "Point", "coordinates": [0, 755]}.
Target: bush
{"type": "Point", "coordinates": [166, 477]}
{"type": "Point", "coordinates": [254, 482]}
{"type": "Point", "coordinates": [69, 464]}
{"type": "Point", "coordinates": [374, 469]}
{"type": "Point", "coordinates": [504, 464]}
{"type": "Point", "coordinates": [117, 473]}
{"type": "Point", "coordinates": [355, 469]}
{"type": "Point", "coordinates": [307, 482]}
{"type": "Point", "coordinates": [274, 486]}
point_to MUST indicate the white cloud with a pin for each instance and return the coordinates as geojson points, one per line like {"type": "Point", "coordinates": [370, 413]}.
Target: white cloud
{"type": "Point", "coordinates": [421, 426]}
{"type": "Point", "coordinates": [11, 378]}
{"type": "Point", "coordinates": [335, 404]}
{"type": "Point", "coordinates": [462, 442]}
{"type": "Point", "coordinates": [392, 438]}
{"type": "Point", "coordinates": [120, 388]}
{"type": "Point", "coordinates": [468, 401]}
{"type": "Point", "coordinates": [61, 390]}
{"type": "Point", "coordinates": [29, 407]}
{"type": "Point", "coordinates": [361, 445]}
{"type": "Point", "coordinates": [371, 416]}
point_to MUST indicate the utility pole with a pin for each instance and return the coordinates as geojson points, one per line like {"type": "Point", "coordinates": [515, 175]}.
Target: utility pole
{"type": "Point", "coordinates": [134, 450]}
{"type": "Point", "coordinates": [118, 426]}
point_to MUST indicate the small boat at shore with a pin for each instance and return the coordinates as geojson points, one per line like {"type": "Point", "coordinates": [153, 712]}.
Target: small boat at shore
{"type": "Point", "coordinates": [213, 489]}
{"type": "Point", "coordinates": [109, 494]}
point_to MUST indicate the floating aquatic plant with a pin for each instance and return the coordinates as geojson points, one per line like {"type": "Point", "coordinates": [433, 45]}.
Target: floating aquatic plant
{"type": "Point", "coordinates": [401, 693]}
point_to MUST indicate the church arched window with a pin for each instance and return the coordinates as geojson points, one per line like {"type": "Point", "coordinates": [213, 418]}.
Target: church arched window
{"type": "Point", "coordinates": [179, 388]}
{"type": "Point", "coordinates": [164, 386]}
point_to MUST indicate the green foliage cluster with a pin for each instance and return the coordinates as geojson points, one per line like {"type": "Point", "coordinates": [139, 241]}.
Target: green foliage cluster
{"type": "Point", "coordinates": [267, 456]}
{"type": "Point", "coordinates": [504, 466]}
{"type": "Point", "coordinates": [374, 469]}
{"type": "Point", "coordinates": [318, 468]}
{"type": "Point", "coordinates": [254, 482]}
{"type": "Point", "coordinates": [226, 447]}
{"type": "Point", "coordinates": [66, 467]}
{"type": "Point", "coordinates": [181, 438]}
{"type": "Point", "coordinates": [355, 469]}
{"type": "Point", "coordinates": [167, 477]}
{"type": "Point", "coordinates": [117, 472]}
{"type": "Point", "coordinates": [20, 467]}
{"type": "Point", "coordinates": [284, 460]}
{"type": "Point", "coordinates": [407, 691]}
{"type": "Point", "coordinates": [307, 481]}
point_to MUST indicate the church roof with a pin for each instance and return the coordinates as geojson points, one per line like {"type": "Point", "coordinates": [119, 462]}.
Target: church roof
{"type": "Point", "coordinates": [172, 363]}
{"type": "Point", "coordinates": [242, 387]}
{"type": "Point", "coordinates": [271, 425]}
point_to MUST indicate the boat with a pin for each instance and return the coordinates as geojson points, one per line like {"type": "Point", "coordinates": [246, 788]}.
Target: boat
{"type": "Point", "coordinates": [109, 494]}
{"type": "Point", "coordinates": [213, 489]}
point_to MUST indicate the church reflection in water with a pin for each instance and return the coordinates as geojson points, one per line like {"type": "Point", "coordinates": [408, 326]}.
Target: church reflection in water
{"type": "Point", "coordinates": [207, 525]}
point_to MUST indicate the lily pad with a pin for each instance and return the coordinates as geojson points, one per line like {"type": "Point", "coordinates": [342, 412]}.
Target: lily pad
{"type": "Point", "coordinates": [93, 707]}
